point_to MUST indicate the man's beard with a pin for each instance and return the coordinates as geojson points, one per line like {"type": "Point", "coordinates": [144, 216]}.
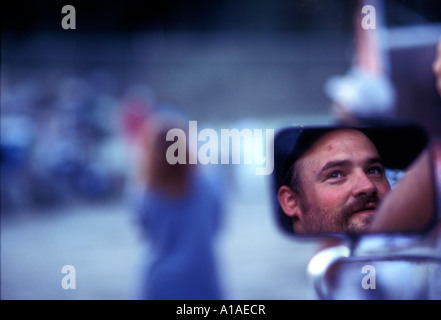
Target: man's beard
{"type": "Point", "coordinates": [326, 220]}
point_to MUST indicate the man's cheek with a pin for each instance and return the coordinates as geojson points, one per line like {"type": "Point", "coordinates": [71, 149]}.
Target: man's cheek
{"type": "Point", "coordinates": [332, 197]}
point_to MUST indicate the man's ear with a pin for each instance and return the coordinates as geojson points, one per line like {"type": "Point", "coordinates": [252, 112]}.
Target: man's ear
{"type": "Point", "coordinates": [289, 202]}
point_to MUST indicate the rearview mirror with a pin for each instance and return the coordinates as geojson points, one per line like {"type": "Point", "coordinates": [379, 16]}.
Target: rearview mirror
{"type": "Point", "coordinates": [354, 180]}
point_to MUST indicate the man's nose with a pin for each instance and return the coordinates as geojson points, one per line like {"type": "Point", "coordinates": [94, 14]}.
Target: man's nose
{"type": "Point", "coordinates": [363, 185]}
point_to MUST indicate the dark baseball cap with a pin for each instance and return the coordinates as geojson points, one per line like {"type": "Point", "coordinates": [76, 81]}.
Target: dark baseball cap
{"type": "Point", "coordinates": [398, 145]}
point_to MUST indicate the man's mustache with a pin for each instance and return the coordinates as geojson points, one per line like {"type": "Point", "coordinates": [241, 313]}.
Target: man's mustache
{"type": "Point", "coordinates": [361, 203]}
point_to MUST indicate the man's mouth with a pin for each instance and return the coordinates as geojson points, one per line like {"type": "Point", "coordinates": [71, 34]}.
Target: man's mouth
{"type": "Point", "coordinates": [368, 209]}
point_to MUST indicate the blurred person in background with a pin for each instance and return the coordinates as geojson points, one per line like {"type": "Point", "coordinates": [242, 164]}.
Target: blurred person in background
{"type": "Point", "coordinates": [179, 211]}
{"type": "Point", "coordinates": [136, 106]}
{"type": "Point", "coordinates": [366, 91]}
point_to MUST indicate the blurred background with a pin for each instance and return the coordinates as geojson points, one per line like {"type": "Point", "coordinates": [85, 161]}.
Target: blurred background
{"type": "Point", "coordinates": [72, 102]}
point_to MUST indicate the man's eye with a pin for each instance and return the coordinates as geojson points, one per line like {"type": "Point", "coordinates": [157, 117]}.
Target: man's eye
{"type": "Point", "coordinates": [375, 170]}
{"type": "Point", "coordinates": [335, 175]}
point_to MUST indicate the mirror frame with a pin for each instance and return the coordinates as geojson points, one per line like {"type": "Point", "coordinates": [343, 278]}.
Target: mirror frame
{"type": "Point", "coordinates": [369, 250]}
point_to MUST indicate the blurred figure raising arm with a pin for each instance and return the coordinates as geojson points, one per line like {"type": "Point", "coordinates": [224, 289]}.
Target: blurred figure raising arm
{"type": "Point", "coordinates": [179, 214]}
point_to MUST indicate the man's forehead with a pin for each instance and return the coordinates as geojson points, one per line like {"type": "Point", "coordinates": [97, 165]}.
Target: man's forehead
{"type": "Point", "coordinates": [336, 141]}
{"type": "Point", "coordinates": [342, 133]}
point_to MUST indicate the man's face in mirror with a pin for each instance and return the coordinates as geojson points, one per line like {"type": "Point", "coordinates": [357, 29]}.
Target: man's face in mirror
{"type": "Point", "coordinates": [336, 185]}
